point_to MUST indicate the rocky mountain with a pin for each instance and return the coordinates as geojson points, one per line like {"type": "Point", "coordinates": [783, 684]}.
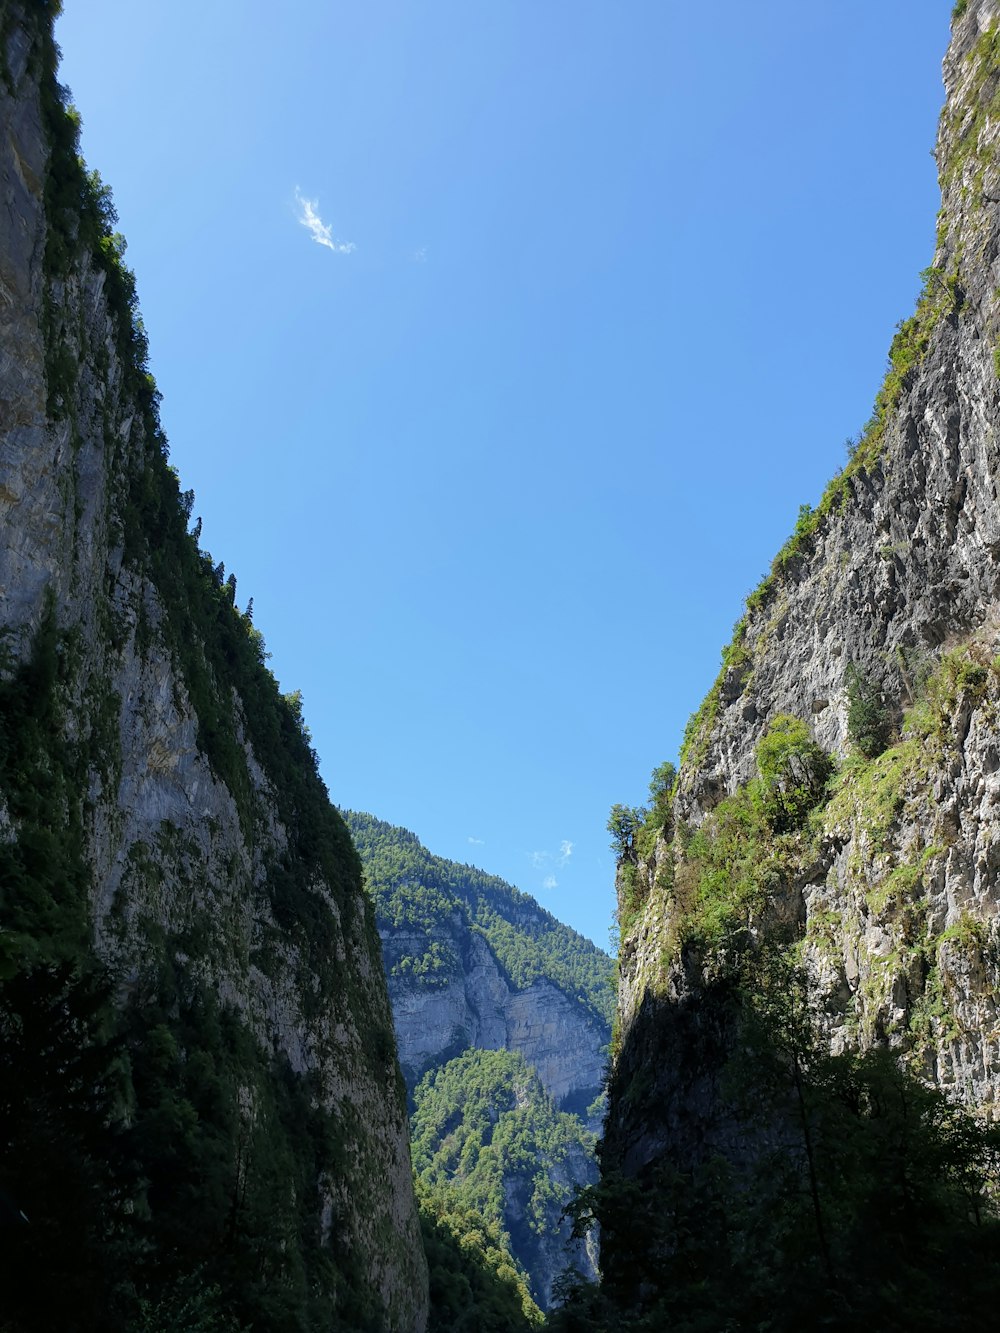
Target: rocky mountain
{"type": "Point", "coordinates": [473, 962]}
{"type": "Point", "coordinates": [820, 886]}
{"type": "Point", "coordinates": [502, 1019]}
{"type": "Point", "coordinates": [182, 919]}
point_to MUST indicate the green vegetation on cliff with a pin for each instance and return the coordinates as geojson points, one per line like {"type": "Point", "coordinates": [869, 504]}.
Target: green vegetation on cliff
{"type": "Point", "coordinates": [940, 298]}
{"type": "Point", "coordinates": [44, 879]}
{"type": "Point", "coordinates": [857, 1198]}
{"type": "Point", "coordinates": [414, 891]}
{"type": "Point", "coordinates": [834, 1190]}
{"type": "Point", "coordinates": [161, 1161]}
{"type": "Point", "coordinates": [718, 877]}
{"type": "Point", "coordinates": [475, 1282]}
{"type": "Point", "coordinates": [484, 1134]}
{"type": "Point", "coordinates": [486, 1137]}
{"type": "Point", "coordinates": [736, 872]}
{"type": "Point", "coordinates": [801, 1128]}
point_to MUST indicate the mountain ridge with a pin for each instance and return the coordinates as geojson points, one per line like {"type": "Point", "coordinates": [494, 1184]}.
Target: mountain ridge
{"type": "Point", "coordinates": [501, 1019]}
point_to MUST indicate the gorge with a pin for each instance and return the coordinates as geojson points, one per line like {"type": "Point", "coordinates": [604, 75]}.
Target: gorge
{"type": "Point", "coordinates": [270, 1064]}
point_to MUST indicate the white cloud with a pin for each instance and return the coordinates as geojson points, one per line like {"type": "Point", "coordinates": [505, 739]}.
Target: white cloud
{"type": "Point", "coordinates": [476, 842]}
{"type": "Point", "coordinates": [420, 255]}
{"type": "Point", "coordinates": [550, 882]}
{"type": "Point", "coordinates": [550, 860]}
{"type": "Point", "coordinates": [321, 233]}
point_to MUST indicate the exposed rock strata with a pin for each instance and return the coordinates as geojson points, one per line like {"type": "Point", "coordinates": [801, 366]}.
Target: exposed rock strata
{"type": "Point", "coordinates": [479, 1007]}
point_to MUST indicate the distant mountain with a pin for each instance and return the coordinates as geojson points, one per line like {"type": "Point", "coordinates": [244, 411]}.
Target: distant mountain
{"type": "Point", "coordinates": [503, 1020]}
{"type": "Point", "coordinates": [473, 962]}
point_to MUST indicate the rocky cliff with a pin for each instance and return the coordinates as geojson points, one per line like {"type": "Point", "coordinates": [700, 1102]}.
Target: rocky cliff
{"type": "Point", "coordinates": [160, 807]}
{"type": "Point", "coordinates": [479, 1007]}
{"type": "Point", "coordinates": [839, 791]}
{"type": "Point", "coordinates": [472, 962]}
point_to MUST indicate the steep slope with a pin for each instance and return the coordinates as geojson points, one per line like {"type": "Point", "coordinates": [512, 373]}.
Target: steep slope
{"type": "Point", "coordinates": [472, 1279]}
{"type": "Point", "coordinates": [161, 811]}
{"type": "Point", "coordinates": [486, 1136]}
{"type": "Point", "coordinates": [834, 834]}
{"type": "Point", "coordinates": [471, 961]}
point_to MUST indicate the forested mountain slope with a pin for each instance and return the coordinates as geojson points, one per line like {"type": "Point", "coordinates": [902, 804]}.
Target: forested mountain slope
{"type": "Point", "coordinates": [474, 1282]}
{"type": "Point", "coordinates": [200, 1107]}
{"type": "Point", "coordinates": [485, 1135]}
{"type": "Point", "coordinates": [472, 961]}
{"type": "Point", "coordinates": [502, 1019]}
{"type": "Point", "coordinates": [810, 954]}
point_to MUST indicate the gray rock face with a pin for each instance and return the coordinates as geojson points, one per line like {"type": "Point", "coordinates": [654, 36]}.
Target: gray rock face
{"type": "Point", "coordinates": [545, 1256]}
{"type": "Point", "coordinates": [544, 1026]}
{"type": "Point", "coordinates": [898, 901]}
{"type": "Point", "coordinates": [480, 1008]}
{"type": "Point", "coordinates": [911, 562]}
{"type": "Point", "coordinates": [473, 962]}
{"type": "Point", "coordinates": [168, 846]}
{"type": "Point", "coordinates": [435, 1023]}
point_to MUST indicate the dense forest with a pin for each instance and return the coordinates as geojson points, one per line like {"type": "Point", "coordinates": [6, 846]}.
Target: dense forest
{"type": "Point", "coordinates": [486, 1135]}
{"type": "Point", "coordinates": [475, 1283]}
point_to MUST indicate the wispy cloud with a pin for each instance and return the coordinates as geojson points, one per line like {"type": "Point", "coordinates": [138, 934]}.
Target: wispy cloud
{"type": "Point", "coordinates": [420, 255]}
{"type": "Point", "coordinates": [476, 842]}
{"type": "Point", "coordinates": [551, 861]}
{"type": "Point", "coordinates": [550, 882]}
{"type": "Point", "coordinates": [540, 860]}
{"type": "Point", "coordinates": [321, 232]}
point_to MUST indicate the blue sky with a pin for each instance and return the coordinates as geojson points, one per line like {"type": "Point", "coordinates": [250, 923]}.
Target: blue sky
{"type": "Point", "coordinates": [605, 288]}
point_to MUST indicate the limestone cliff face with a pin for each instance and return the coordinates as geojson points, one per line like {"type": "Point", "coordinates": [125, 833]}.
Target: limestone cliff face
{"type": "Point", "coordinates": [892, 584]}
{"type": "Point", "coordinates": [480, 1008]}
{"type": "Point", "coordinates": [905, 560]}
{"type": "Point", "coordinates": [183, 842]}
